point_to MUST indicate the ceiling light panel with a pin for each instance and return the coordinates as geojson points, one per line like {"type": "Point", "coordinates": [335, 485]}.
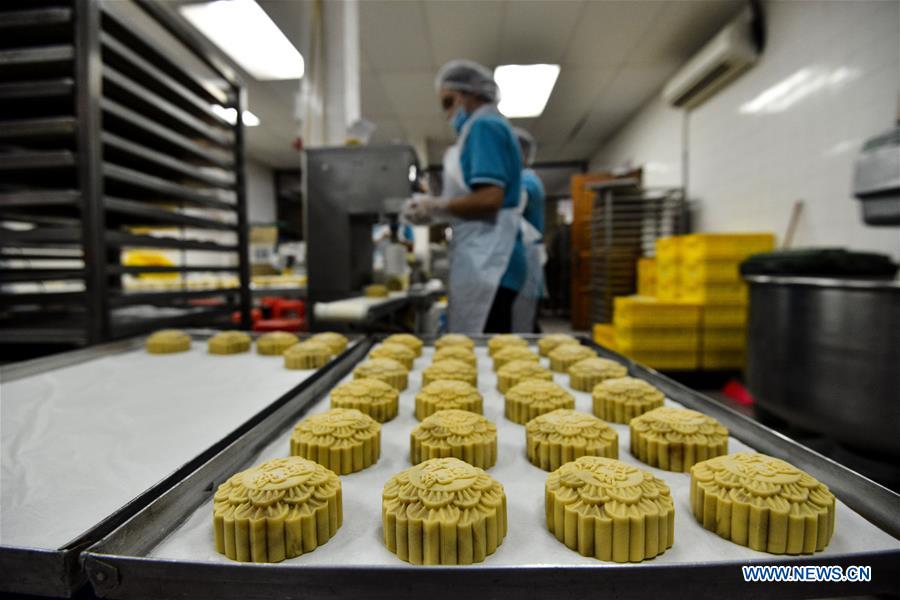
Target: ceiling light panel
{"type": "Point", "coordinates": [243, 30]}
{"type": "Point", "coordinates": [525, 89]}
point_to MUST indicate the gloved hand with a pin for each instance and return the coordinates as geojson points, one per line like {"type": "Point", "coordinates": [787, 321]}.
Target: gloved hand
{"type": "Point", "coordinates": [423, 209]}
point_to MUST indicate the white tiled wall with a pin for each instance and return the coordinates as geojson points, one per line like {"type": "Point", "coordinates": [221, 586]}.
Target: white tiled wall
{"type": "Point", "coordinates": [831, 72]}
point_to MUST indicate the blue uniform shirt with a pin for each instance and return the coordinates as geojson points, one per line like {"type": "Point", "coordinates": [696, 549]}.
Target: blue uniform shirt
{"type": "Point", "coordinates": [534, 209]}
{"type": "Point", "coordinates": [491, 156]}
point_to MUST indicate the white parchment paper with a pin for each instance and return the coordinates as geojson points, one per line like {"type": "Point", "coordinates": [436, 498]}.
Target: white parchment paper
{"type": "Point", "coordinates": [80, 442]}
{"type": "Point", "coordinates": [528, 542]}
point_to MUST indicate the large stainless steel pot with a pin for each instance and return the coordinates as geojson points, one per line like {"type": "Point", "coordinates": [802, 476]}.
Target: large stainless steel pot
{"type": "Point", "coordinates": [824, 354]}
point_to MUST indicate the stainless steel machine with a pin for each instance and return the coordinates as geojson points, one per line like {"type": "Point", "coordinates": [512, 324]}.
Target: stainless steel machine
{"type": "Point", "coordinates": [348, 190]}
{"type": "Point", "coordinates": [824, 341]}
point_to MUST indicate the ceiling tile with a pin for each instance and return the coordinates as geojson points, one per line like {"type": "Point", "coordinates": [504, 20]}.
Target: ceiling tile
{"type": "Point", "coordinates": [607, 31]}
{"type": "Point", "coordinates": [393, 34]}
{"type": "Point", "coordinates": [465, 29]}
{"type": "Point", "coordinates": [411, 93]}
{"type": "Point", "coordinates": [538, 32]}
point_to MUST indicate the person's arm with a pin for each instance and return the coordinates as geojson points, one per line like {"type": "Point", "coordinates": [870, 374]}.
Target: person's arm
{"type": "Point", "coordinates": [484, 201]}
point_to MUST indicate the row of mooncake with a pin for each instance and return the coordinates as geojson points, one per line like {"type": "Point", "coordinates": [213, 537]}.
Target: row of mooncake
{"type": "Point", "coordinates": [615, 490]}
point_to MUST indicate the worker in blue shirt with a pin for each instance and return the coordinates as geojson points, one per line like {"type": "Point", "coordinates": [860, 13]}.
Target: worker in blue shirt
{"type": "Point", "coordinates": [481, 199]}
{"type": "Point", "coordinates": [525, 308]}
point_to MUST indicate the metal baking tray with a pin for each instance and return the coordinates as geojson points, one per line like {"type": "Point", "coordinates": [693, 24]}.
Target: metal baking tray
{"type": "Point", "coordinates": [93, 390]}
{"type": "Point", "coordinates": [166, 549]}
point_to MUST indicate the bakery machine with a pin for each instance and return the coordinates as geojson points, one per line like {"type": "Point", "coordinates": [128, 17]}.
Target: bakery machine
{"type": "Point", "coordinates": [348, 190]}
{"type": "Point", "coordinates": [824, 331]}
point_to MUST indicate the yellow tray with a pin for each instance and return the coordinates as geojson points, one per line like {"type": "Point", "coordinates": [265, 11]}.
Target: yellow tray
{"type": "Point", "coordinates": [720, 359]}
{"type": "Point", "coordinates": [723, 315]}
{"type": "Point", "coordinates": [727, 246]}
{"type": "Point", "coordinates": [714, 293]}
{"type": "Point", "coordinates": [669, 361]}
{"type": "Point", "coordinates": [723, 339]}
{"type": "Point", "coordinates": [642, 311]}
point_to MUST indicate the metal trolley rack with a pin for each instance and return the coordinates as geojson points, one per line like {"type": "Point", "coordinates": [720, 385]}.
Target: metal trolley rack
{"type": "Point", "coordinates": [57, 571]}
{"type": "Point", "coordinates": [123, 564]}
{"type": "Point", "coordinates": [100, 133]}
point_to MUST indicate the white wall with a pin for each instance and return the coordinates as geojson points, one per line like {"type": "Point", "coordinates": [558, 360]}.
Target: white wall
{"type": "Point", "coordinates": [260, 194]}
{"type": "Point", "coordinates": [839, 68]}
{"type": "Point", "coordinates": [652, 140]}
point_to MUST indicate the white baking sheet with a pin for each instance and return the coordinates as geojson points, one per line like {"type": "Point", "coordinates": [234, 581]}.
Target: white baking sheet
{"type": "Point", "coordinates": [80, 442]}
{"type": "Point", "coordinates": [528, 542]}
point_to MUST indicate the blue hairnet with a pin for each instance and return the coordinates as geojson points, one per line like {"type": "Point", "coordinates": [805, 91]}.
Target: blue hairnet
{"type": "Point", "coordinates": [467, 76]}
{"type": "Point", "coordinates": [529, 146]}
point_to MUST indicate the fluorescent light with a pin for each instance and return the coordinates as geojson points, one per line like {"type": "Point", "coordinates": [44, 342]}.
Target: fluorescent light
{"type": "Point", "coordinates": [243, 30]}
{"type": "Point", "coordinates": [525, 89]}
{"type": "Point", "coordinates": [230, 115]}
{"type": "Point", "coordinates": [797, 86]}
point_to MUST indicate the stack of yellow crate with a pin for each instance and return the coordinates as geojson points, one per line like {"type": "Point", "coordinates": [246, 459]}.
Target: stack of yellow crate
{"type": "Point", "coordinates": [708, 274]}
{"type": "Point", "coordinates": [646, 272]}
{"type": "Point", "coordinates": [658, 333]}
{"type": "Point", "coordinates": [668, 262]}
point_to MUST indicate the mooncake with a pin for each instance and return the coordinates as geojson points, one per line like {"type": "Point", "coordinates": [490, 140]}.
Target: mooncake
{"type": "Point", "coordinates": [450, 369]}
{"type": "Point", "coordinates": [229, 342]}
{"type": "Point", "coordinates": [517, 371]}
{"type": "Point", "coordinates": [275, 343]}
{"type": "Point", "coordinates": [587, 373]}
{"type": "Point", "coordinates": [565, 355]}
{"type": "Point", "coordinates": [307, 355]}
{"type": "Point", "coordinates": [335, 341]}
{"type": "Point", "coordinates": [610, 510]}
{"type": "Point", "coordinates": [620, 400]}
{"type": "Point", "coordinates": [386, 369]}
{"type": "Point", "coordinates": [454, 339]}
{"type": "Point", "coordinates": [563, 435]}
{"type": "Point", "coordinates": [373, 397]}
{"type": "Point", "coordinates": [456, 353]}
{"type": "Point", "coordinates": [280, 509]}
{"type": "Point", "coordinates": [551, 341]}
{"type": "Point", "coordinates": [408, 340]}
{"type": "Point", "coordinates": [762, 502]}
{"type": "Point", "coordinates": [443, 511]}
{"type": "Point", "coordinates": [168, 341]}
{"type": "Point", "coordinates": [511, 353]}
{"type": "Point", "coordinates": [458, 433]}
{"type": "Point", "coordinates": [445, 394]}
{"type": "Point", "coordinates": [535, 397]}
{"type": "Point", "coordinates": [399, 352]}
{"type": "Point", "coordinates": [344, 440]}
{"type": "Point", "coordinates": [376, 290]}
{"type": "Point", "coordinates": [505, 340]}
{"type": "Point", "coordinates": [674, 439]}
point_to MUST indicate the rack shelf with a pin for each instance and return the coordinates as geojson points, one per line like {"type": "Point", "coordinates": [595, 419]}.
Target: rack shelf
{"type": "Point", "coordinates": [105, 134]}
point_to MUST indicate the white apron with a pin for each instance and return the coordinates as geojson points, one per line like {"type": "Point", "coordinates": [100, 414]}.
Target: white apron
{"type": "Point", "coordinates": [524, 310]}
{"type": "Point", "coordinates": [480, 249]}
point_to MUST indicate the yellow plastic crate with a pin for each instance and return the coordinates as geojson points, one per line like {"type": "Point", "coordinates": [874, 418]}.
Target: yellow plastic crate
{"type": "Point", "coordinates": [668, 291]}
{"type": "Point", "coordinates": [724, 246]}
{"type": "Point", "coordinates": [710, 271]}
{"type": "Point", "coordinates": [684, 360]}
{"type": "Point", "coordinates": [641, 311]}
{"type": "Point", "coordinates": [605, 335]}
{"type": "Point", "coordinates": [646, 271]}
{"type": "Point", "coordinates": [723, 315]}
{"type": "Point", "coordinates": [734, 292]}
{"type": "Point", "coordinates": [668, 272]}
{"type": "Point", "coordinates": [668, 249]}
{"type": "Point", "coordinates": [666, 339]}
{"type": "Point", "coordinates": [720, 359]}
{"type": "Point", "coordinates": [723, 339]}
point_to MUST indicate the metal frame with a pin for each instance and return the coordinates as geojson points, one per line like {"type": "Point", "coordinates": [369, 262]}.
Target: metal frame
{"type": "Point", "coordinates": [625, 225]}
{"type": "Point", "coordinates": [95, 38]}
{"type": "Point", "coordinates": [118, 567]}
{"type": "Point", "coordinates": [59, 572]}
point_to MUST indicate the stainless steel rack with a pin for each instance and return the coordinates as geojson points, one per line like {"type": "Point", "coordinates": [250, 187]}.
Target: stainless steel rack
{"type": "Point", "coordinates": [102, 132]}
{"type": "Point", "coordinates": [626, 221]}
